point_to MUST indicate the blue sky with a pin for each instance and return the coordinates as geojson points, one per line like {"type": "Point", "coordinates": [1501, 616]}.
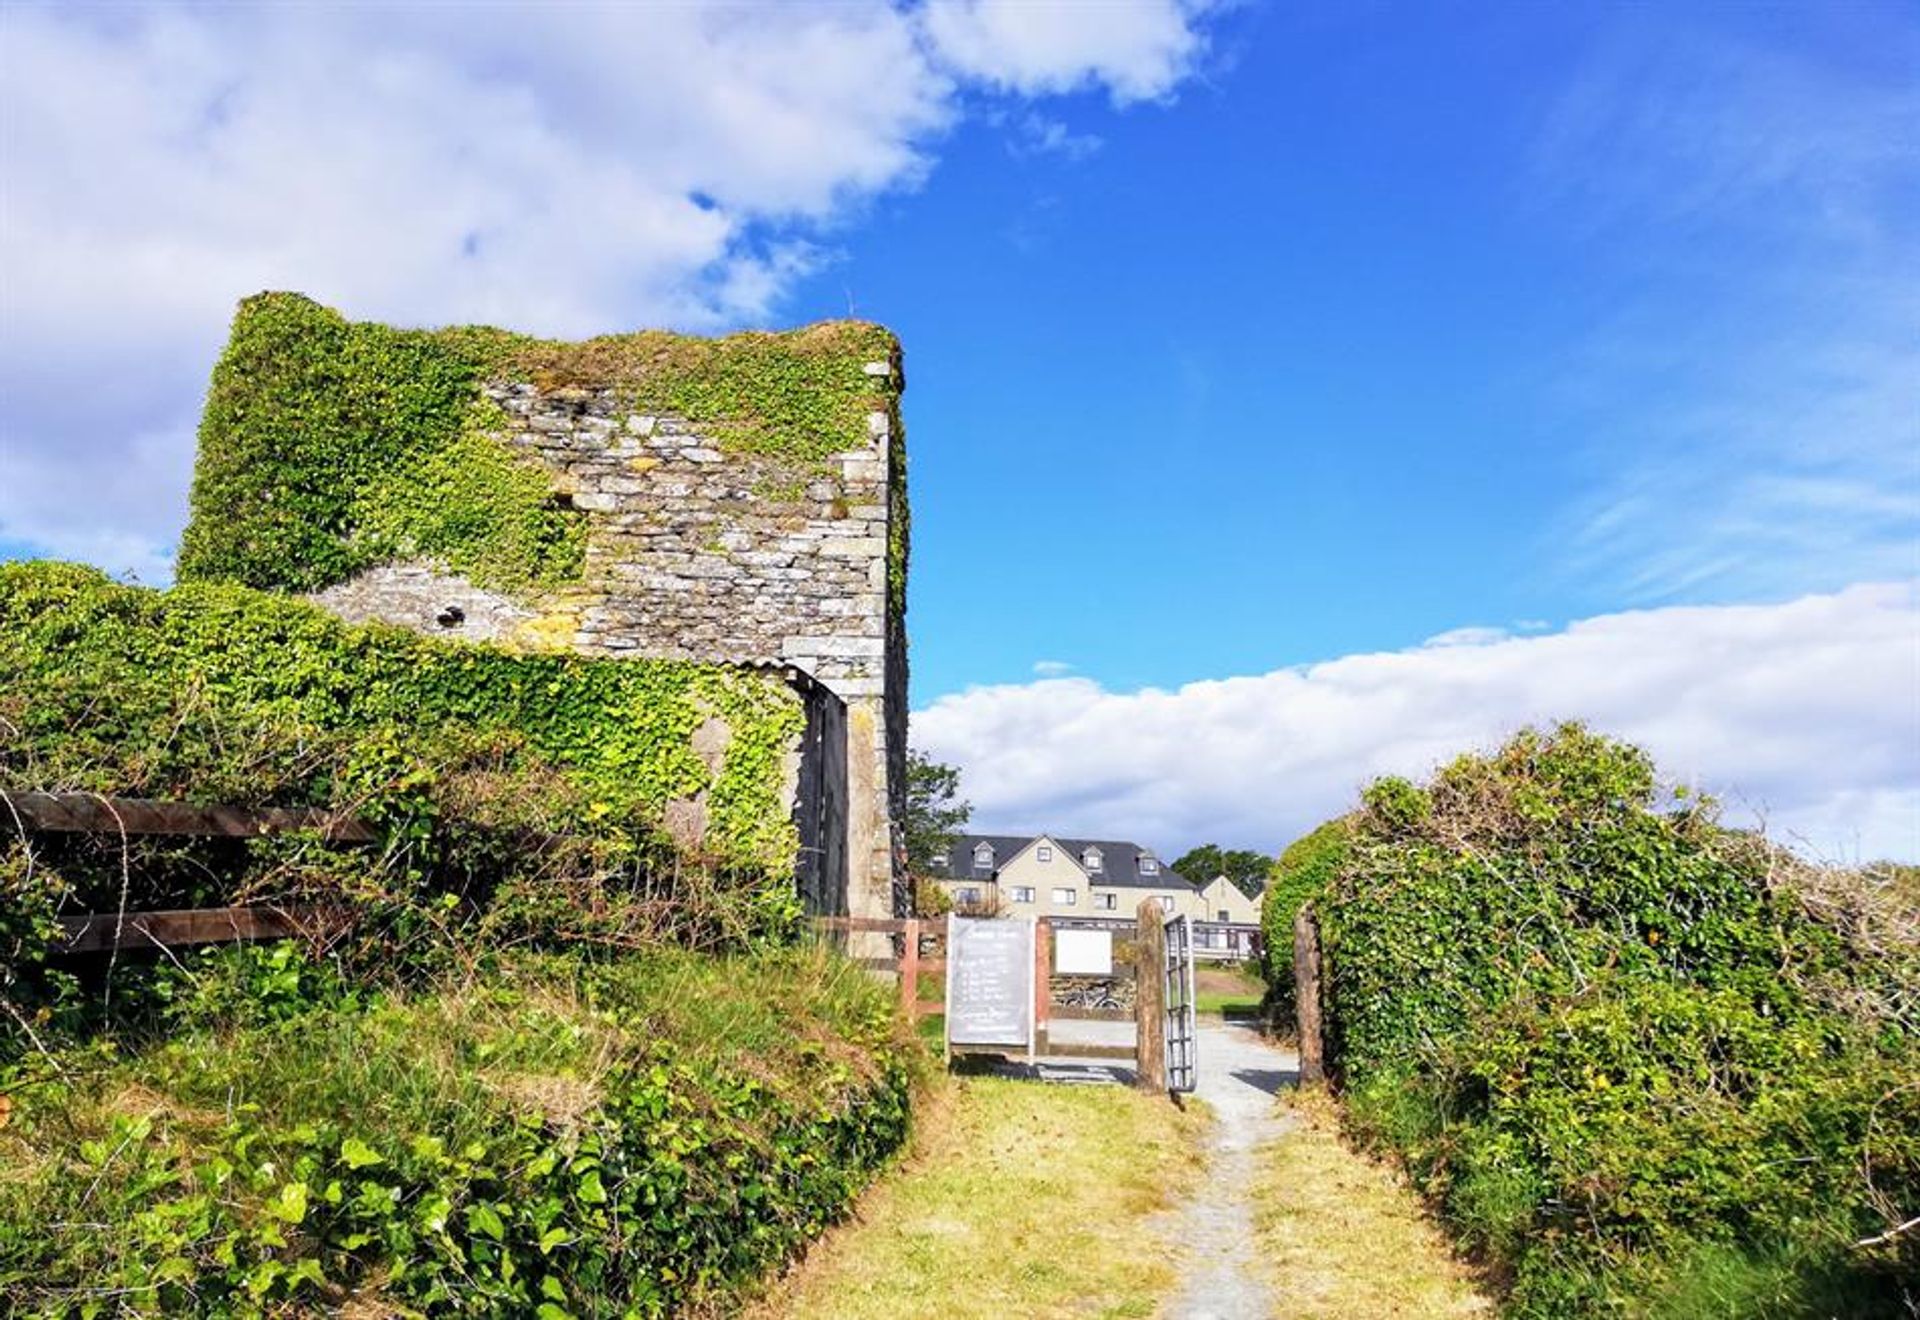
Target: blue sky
{"type": "Point", "coordinates": [1295, 392]}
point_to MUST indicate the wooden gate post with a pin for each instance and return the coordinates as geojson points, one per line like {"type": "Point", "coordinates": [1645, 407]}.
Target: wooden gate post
{"type": "Point", "coordinates": [1150, 998]}
{"type": "Point", "coordinates": [910, 972]}
{"type": "Point", "coordinates": [1042, 980]}
{"type": "Point", "coordinates": [1306, 995]}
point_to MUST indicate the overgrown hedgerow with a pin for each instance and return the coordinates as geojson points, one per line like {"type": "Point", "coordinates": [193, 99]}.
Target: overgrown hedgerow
{"type": "Point", "coordinates": [517, 797]}
{"type": "Point", "coordinates": [562, 1137]}
{"type": "Point", "coordinates": [1646, 1065]}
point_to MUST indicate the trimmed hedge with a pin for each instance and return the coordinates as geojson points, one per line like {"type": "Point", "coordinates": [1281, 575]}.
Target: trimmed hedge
{"type": "Point", "coordinates": [1646, 1065]}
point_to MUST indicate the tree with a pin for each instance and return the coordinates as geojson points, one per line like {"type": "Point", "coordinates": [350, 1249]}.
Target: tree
{"type": "Point", "coordinates": [935, 811]}
{"type": "Point", "coordinates": [1245, 868]}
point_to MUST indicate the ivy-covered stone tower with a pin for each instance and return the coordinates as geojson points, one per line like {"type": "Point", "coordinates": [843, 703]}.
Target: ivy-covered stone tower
{"type": "Point", "coordinates": [731, 501]}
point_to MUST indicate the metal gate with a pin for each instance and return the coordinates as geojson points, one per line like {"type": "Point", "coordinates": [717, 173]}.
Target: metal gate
{"type": "Point", "coordinates": [1179, 1027]}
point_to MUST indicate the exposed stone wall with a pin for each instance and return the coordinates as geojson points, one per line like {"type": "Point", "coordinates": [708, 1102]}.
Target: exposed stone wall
{"type": "Point", "coordinates": [695, 552]}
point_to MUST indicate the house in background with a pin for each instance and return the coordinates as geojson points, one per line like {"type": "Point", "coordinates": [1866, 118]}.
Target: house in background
{"type": "Point", "coordinates": [1224, 901]}
{"type": "Point", "coordinates": [1049, 876]}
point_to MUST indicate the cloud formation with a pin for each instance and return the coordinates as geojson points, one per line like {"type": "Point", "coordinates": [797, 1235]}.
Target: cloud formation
{"type": "Point", "coordinates": [1804, 714]}
{"type": "Point", "coordinates": [566, 172]}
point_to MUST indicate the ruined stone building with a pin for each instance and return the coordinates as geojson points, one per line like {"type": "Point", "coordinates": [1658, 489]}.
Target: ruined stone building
{"type": "Point", "coordinates": [737, 501]}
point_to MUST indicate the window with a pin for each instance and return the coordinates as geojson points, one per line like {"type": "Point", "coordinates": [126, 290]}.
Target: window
{"type": "Point", "coordinates": [940, 860]}
{"type": "Point", "coordinates": [1065, 898]}
{"type": "Point", "coordinates": [1149, 865]}
{"type": "Point", "coordinates": [1044, 853]}
{"type": "Point", "coordinates": [966, 894]}
{"type": "Point", "coordinates": [1104, 901]}
{"type": "Point", "coordinates": [1091, 859]}
{"type": "Point", "coordinates": [983, 856]}
{"type": "Point", "coordinates": [1225, 915]}
{"type": "Point", "coordinates": [1166, 902]}
{"type": "Point", "coordinates": [1022, 894]}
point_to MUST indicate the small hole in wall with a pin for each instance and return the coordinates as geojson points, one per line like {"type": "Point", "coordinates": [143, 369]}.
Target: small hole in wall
{"type": "Point", "coordinates": [451, 617]}
{"type": "Point", "coordinates": [561, 500]}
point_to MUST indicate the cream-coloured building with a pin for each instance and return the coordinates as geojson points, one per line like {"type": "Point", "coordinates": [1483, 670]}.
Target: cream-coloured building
{"type": "Point", "coordinates": [1223, 900]}
{"type": "Point", "coordinates": [1048, 876]}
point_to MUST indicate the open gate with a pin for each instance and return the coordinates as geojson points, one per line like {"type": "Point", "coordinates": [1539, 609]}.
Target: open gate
{"type": "Point", "coordinates": [1179, 1000]}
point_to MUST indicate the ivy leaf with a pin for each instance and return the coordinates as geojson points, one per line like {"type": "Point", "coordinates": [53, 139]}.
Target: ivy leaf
{"type": "Point", "coordinates": [358, 1154]}
{"type": "Point", "coordinates": [483, 1218]}
{"type": "Point", "coordinates": [291, 1204]}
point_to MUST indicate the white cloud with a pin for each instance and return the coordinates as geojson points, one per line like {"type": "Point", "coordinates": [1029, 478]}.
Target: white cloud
{"type": "Point", "coordinates": [1806, 714]}
{"type": "Point", "coordinates": [1052, 668]}
{"type": "Point", "coordinates": [1140, 49]}
{"type": "Point", "coordinates": [564, 171]}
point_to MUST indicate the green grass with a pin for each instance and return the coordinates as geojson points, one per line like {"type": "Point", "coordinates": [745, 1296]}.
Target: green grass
{"type": "Point", "coordinates": [1342, 1235]}
{"type": "Point", "coordinates": [1227, 991]}
{"type": "Point", "coordinates": [541, 1057]}
{"type": "Point", "coordinates": [1019, 1199]}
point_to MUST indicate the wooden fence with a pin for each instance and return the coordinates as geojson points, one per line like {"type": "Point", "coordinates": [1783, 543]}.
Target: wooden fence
{"type": "Point", "coordinates": [907, 963]}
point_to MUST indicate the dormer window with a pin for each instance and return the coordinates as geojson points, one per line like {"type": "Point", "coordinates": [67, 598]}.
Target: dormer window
{"type": "Point", "coordinates": [940, 859]}
{"type": "Point", "coordinates": [1149, 865]}
{"type": "Point", "coordinates": [983, 857]}
{"type": "Point", "coordinates": [1090, 859]}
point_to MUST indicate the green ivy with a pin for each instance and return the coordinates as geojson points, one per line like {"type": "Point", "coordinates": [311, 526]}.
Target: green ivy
{"type": "Point", "coordinates": [572, 1141]}
{"type": "Point", "coordinates": [1632, 1064]}
{"type": "Point", "coordinates": [226, 694]}
{"type": "Point", "coordinates": [329, 446]}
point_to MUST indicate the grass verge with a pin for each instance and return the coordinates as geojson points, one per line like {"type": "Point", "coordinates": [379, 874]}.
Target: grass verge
{"type": "Point", "coordinates": [1344, 1235]}
{"type": "Point", "coordinates": [1227, 992]}
{"type": "Point", "coordinates": [563, 1137]}
{"type": "Point", "coordinates": [1019, 1199]}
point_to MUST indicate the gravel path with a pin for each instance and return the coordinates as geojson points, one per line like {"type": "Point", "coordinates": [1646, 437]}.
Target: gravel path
{"type": "Point", "coordinates": [1238, 1075]}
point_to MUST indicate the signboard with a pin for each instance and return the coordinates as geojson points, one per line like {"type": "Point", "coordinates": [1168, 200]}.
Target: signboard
{"type": "Point", "coordinates": [1083, 952]}
{"type": "Point", "coordinates": [990, 982]}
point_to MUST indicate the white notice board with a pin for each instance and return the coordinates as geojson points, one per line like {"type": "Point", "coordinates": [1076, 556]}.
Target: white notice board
{"type": "Point", "coordinates": [990, 982]}
{"type": "Point", "coordinates": [1083, 952]}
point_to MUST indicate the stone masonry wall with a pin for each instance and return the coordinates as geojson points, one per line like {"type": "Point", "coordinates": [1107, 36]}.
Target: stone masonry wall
{"type": "Point", "coordinates": [698, 553]}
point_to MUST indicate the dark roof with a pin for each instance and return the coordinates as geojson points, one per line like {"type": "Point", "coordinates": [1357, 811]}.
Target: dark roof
{"type": "Point", "coordinates": [1119, 860]}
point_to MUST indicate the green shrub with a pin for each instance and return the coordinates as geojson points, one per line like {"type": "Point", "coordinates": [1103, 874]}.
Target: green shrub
{"type": "Point", "coordinates": [566, 1138]}
{"type": "Point", "coordinates": [517, 796]}
{"type": "Point", "coordinates": [1637, 1058]}
{"type": "Point", "coordinates": [1301, 873]}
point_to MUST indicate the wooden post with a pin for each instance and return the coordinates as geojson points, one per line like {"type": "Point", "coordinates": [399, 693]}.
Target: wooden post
{"type": "Point", "coordinates": [1042, 979]}
{"type": "Point", "coordinates": [1150, 998]}
{"type": "Point", "coordinates": [1306, 995]}
{"type": "Point", "coordinates": [910, 971]}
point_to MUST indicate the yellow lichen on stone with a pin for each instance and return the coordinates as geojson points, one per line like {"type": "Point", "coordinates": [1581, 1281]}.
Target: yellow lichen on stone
{"type": "Point", "coordinates": [553, 631]}
{"type": "Point", "coordinates": [643, 464]}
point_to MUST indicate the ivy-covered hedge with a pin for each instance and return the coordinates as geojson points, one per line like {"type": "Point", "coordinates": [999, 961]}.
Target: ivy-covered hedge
{"type": "Point", "coordinates": [517, 796]}
{"type": "Point", "coordinates": [564, 1139]}
{"type": "Point", "coordinates": [1646, 1065]}
{"type": "Point", "coordinates": [328, 446]}
{"type": "Point", "coordinates": [1300, 874]}
{"type": "Point", "coordinates": [215, 693]}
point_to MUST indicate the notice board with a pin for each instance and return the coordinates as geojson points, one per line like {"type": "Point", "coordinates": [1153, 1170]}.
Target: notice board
{"type": "Point", "coordinates": [990, 982]}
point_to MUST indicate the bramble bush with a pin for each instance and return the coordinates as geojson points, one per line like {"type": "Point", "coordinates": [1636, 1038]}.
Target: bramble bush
{"type": "Point", "coordinates": [1644, 1064]}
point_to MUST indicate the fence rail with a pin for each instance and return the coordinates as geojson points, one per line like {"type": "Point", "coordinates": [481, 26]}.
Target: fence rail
{"type": "Point", "coordinates": [91, 813]}
{"type": "Point", "coordinates": [907, 963]}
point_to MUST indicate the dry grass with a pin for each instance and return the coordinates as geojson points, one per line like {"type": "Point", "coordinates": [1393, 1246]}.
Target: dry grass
{"type": "Point", "coordinates": [1019, 1199]}
{"type": "Point", "coordinates": [1345, 1236]}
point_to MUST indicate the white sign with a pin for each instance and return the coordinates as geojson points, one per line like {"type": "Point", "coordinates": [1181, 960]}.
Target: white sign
{"type": "Point", "coordinates": [1083, 952]}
